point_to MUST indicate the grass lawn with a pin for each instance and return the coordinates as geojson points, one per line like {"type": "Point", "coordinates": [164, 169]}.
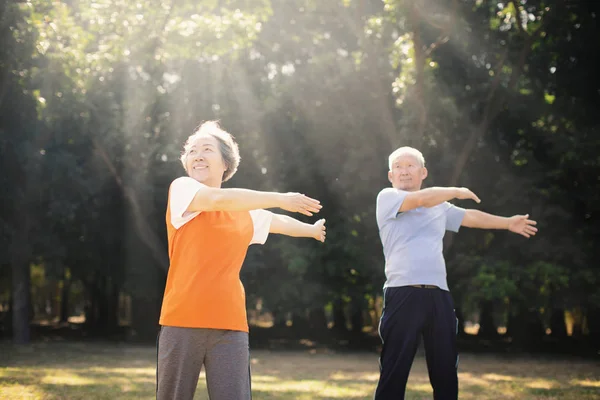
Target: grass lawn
{"type": "Point", "coordinates": [109, 371]}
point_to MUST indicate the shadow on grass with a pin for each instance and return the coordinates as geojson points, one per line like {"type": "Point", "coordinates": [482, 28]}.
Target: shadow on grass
{"type": "Point", "coordinates": [584, 392]}
{"type": "Point", "coordinates": [54, 392]}
{"type": "Point", "coordinates": [79, 383]}
{"type": "Point", "coordinates": [259, 394]}
{"type": "Point", "coordinates": [301, 395]}
{"type": "Point", "coordinates": [71, 355]}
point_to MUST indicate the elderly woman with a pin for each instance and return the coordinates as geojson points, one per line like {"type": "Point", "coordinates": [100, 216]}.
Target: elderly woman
{"type": "Point", "coordinates": [203, 317]}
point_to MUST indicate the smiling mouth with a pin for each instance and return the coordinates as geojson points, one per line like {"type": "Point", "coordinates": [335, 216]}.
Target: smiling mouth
{"type": "Point", "coordinates": [200, 167]}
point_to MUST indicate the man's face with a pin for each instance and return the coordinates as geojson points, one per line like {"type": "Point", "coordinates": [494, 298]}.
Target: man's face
{"type": "Point", "coordinates": [204, 162]}
{"type": "Point", "coordinates": [407, 173]}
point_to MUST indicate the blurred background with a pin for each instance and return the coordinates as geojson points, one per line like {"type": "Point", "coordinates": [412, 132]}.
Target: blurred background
{"type": "Point", "coordinates": [97, 98]}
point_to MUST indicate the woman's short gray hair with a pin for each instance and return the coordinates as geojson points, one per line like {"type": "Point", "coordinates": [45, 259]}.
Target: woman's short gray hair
{"type": "Point", "coordinates": [229, 149]}
{"type": "Point", "coordinates": [406, 151]}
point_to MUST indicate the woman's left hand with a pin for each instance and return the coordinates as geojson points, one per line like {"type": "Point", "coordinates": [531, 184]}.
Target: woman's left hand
{"type": "Point", "coordinates": [319, 230]}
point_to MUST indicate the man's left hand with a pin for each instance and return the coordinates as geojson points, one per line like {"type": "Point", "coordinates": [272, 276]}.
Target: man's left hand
{"type": "Point", "coordinates": [522, 225]}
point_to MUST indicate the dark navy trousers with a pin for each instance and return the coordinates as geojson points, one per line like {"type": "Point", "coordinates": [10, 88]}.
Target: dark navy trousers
{"type": "Point", "coordinates": [410, 313]}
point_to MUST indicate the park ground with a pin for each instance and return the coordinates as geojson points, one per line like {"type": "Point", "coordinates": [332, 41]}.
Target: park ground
{"type": "Point", "coordinates": [102, 370]}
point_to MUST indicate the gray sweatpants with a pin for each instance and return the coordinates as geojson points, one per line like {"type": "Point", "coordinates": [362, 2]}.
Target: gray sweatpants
{"type": "Point", "coordinates": [183, 351]}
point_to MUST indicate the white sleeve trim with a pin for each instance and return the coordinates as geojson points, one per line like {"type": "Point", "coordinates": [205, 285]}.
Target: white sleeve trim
{"type": "Point", "coordinates": [181, 194]}
{"type": "Point", "coordinates": [261, 220]}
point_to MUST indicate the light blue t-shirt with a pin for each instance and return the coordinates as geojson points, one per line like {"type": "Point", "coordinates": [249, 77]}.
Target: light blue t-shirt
{"type": "Point", "coordinates": [412, 240]}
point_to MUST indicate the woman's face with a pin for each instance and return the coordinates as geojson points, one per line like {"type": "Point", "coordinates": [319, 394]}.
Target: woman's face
{"type": "Point", "coordinates": [204, 162]}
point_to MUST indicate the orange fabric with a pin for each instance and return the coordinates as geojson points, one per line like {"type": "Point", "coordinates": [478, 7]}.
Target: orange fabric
{"type": "Point", "coordinates": [203, 287]}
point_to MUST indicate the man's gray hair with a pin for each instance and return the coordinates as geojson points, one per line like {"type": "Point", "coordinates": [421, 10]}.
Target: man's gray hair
{"type": "Point", "coordinates": [406, 151]}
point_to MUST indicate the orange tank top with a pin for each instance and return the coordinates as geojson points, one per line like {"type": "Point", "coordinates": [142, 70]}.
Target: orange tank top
{"type": "Point", "coordinates": [203, 288]}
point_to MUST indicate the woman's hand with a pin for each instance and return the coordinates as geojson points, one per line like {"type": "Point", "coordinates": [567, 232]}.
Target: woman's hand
{"type": "Point", "coordinates": [319, 230]}
{"type": "Point", "coordinates": [300, 203]}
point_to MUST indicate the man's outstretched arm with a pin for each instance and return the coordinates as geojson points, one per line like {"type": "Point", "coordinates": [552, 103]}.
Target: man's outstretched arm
{"type": "Point", "coordinates": [435, 195]}
{"type": "Point", "coordinates": [520, 224]}
{"type": "Point", "coordinates": [289, 226]}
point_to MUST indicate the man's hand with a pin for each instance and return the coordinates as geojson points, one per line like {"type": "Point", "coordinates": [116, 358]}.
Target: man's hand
{"type": "Point", "coordinates": [522, 225]}
{"type": "Point", "coordinates": [319, 230]}
{"type": "Point", "coordinates": [464, 193]}
{"type": "Point", "coordinates": [296, 202]}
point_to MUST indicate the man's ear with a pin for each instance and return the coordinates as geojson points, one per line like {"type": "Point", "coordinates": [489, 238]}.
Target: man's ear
{"type": "Point", "coordinates": [390, 176]}
{"type": "Point", "coordinates": [424, 173]}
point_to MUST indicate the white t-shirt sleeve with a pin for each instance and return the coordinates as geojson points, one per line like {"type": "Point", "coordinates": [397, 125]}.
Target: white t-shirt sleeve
{"type": "Point", "coordinates": [454, 217]}
{"type": "Point", "coordinates": [181, 194]}
{"type": "Point", "coordinates": [262, 224]}
{"type": "Point", "coordinates": [389, 201]}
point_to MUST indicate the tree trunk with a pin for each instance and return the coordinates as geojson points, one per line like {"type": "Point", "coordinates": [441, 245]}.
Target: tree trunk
{"type": "Point", "coordinates": [339, 318]}
{"type": "Point", "coordinates": [64, 297]}
{"type": "Point", "coordinates": [91, 311]}
{"type": "Point", "coordinates": [107, 302]}
{"type": "Point", "coordinates": [593, 318]}
{"type": "Point", "coordinates": [279, 318]}
{"type": "Point", "coordinates": [558, 326]}
{"type": "Point", "coordinates": [356, 316]}
{"type": "Point", "coordinates": [145, 314]}
{"type": "Point", "coordinates": [487, 327]}
{"type": "Point", "coordinates": [525, 327]}
{"type": "Point", "coordinates": [317, 320]}
{"type": "Point", "coordinates": [300, 321]}
{"type": "Point", "coordinates": [101, 307]}
{"type": "Point", "coordinates": [461, 321]}
{"type": "Point", "coordinates": [534, 328]}
{"type": "Point", "coordinates": [8, 317]}
{"type": "Point", "coordinates": [516, 323]}
{"type": "Point", "coordinates": [112, 309]}
{"type": "Point", "coordinates": [21, 300]}
{"type": "Point", "coordinates": [21, 280]}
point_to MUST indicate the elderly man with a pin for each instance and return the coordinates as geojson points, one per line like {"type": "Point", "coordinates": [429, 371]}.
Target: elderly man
{"type": "Point", "coordinates": [417, 303]}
